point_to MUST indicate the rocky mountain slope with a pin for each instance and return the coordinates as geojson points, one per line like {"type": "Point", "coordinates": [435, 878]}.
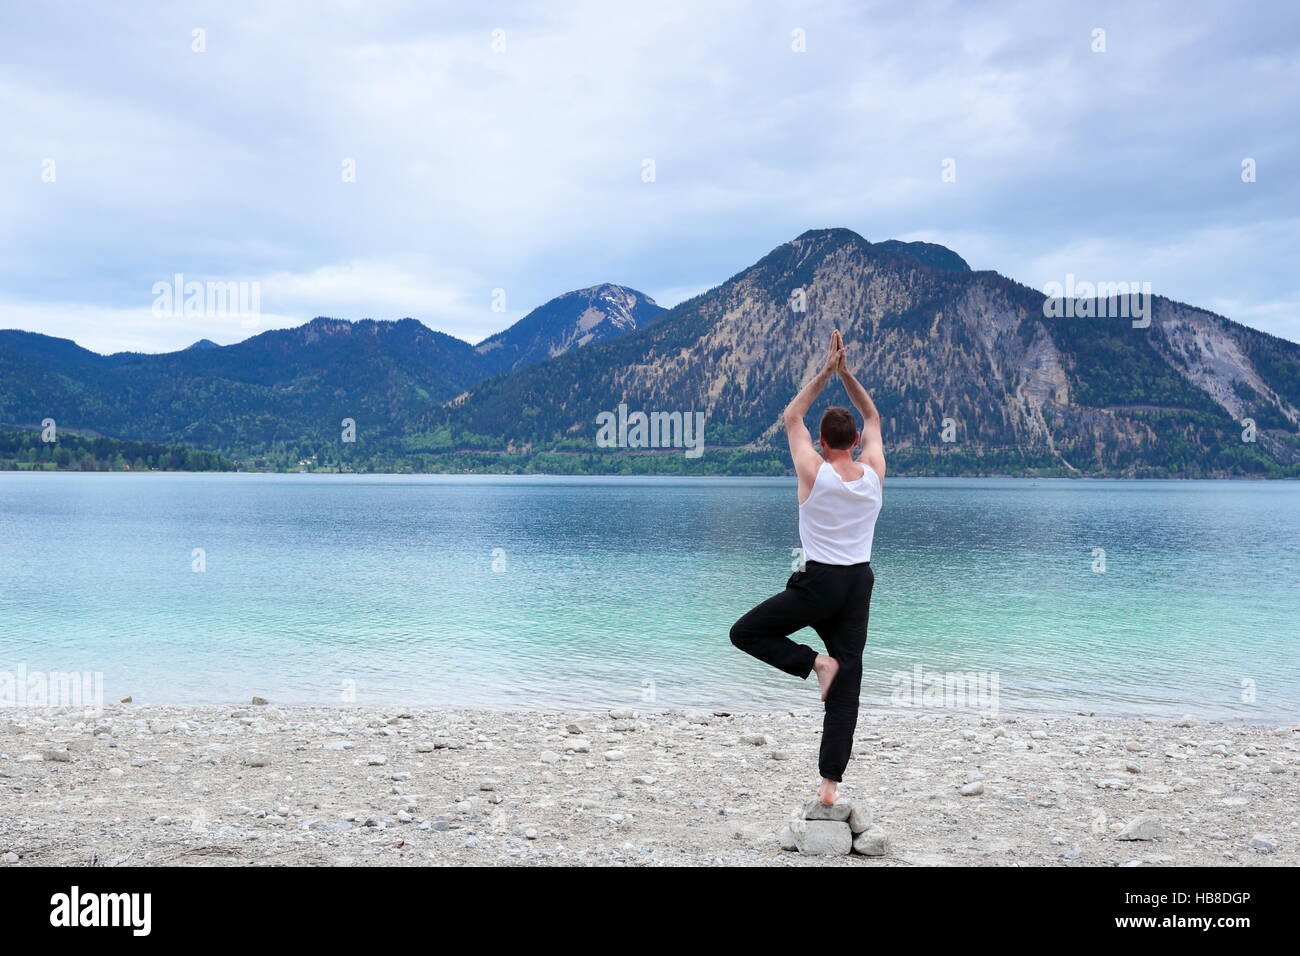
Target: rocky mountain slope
{"type": "Point", "coordinates": [568, 321]}
{"type": "Point", "coordinates": [932, 341]}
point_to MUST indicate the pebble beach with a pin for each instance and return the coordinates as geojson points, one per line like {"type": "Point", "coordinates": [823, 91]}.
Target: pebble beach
{"type": "Point", "coordinates": [268, 785]}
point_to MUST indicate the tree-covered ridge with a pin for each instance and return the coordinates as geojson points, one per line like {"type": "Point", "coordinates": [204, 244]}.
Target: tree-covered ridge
{"type": "Point", "coordinates": [27, 451]}
{"type": "Point", "coordinates": [971, 372]}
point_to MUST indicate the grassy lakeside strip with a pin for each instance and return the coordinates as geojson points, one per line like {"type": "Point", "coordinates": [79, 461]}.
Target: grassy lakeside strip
{"type": "Point", "coordinates": [25, 451]}
{"type": "Point", "coordinates": [742, 462]}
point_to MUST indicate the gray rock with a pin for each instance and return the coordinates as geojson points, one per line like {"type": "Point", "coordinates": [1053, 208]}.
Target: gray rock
{"type": "Point", "coordinates": [10, 857]}
{"type": "Point", "coordinates": [58, 756]}
{"type": "Point", "coordinates": [260, 701]}
{"type": "Point", "coordinates": [1262, 843]}
{"type": "Point", "coordinates": [1143, 827]}
{"type": "Point", "coordinates": [786, 836]}
{"type": "Point", "coordinates": [1187, 721]}
{"type": "Point", "coordinates": [838, 811]}
{"type": "Point", "coordinates": [872, 842]}
{"type": "Point", "coordinates": [823, 838]}
{"type": "Point", "coordinates": [860, 819]}
{"type": "Point", "coordinates": [972, 789]}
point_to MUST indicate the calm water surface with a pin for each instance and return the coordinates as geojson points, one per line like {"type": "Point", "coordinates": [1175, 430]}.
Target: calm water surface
{"type": "Point", "coordinates": [589, 592]}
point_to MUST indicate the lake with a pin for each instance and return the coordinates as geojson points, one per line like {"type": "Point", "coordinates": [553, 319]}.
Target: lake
{"type": "Point", "coordinates": [1141, 597]}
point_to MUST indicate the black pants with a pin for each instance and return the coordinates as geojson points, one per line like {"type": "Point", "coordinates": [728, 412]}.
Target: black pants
{"type": "Point", "coordinates": [834, 600]}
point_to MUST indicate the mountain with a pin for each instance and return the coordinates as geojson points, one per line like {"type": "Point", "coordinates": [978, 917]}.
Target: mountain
{"type": "Point", "coordinates": [973, 373]}
{"type": "Point", "coordinates": [926, 253]}
{"type": "Point", "coordinates": [288, 386]}
{"type": "Point", "coordinates": [932, 340]}
{"type": "Point", "coordinates": [290, 389]}
{"type": "Point", "coordinates": [566, 322]}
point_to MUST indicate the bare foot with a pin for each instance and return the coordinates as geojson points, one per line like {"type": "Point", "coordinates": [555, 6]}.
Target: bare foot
{"type": "Point", "coordinates": [827, 792]}
{"type": "Point", "coordinates": [826, 667]}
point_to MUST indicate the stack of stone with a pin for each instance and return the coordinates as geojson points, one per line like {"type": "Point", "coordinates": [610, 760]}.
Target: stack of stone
{"type": "Point", "coordinates": [835, 830]}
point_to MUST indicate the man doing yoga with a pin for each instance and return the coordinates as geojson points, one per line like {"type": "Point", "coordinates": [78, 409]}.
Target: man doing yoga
{"type": "Point", "coordinates": [839, 499]}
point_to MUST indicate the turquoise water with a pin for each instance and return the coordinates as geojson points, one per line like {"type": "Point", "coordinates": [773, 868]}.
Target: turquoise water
{"type": "Point", "coordinates": [591, 592]}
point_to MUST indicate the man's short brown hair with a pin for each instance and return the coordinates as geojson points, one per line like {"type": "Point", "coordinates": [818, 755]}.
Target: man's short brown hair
{"type": "Point", "coordinates": [839, 428]}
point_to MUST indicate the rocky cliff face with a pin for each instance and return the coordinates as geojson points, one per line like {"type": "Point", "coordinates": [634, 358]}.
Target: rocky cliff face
{"type": "Point", "coordinates": [936, 345]}
{"type": "Point", "coordinates": [567, 322]}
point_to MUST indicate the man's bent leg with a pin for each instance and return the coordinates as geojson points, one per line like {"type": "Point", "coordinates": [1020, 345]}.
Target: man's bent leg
{"type": "Point", "coordinates": [765, 631]}
{"type": "Point", "coordinates": [846, 637]}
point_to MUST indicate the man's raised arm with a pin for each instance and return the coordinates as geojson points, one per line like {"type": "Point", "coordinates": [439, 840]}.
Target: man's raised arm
{"type": "Point", "coordinates": [805, 457]}
{"type": "Point", "coordinates": [873, 444]}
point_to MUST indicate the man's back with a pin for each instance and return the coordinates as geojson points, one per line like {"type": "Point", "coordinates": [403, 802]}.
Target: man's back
{"type": "Point", "coordinates": [837, 521]}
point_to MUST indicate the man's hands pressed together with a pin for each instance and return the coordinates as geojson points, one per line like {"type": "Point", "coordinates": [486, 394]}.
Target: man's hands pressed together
{"type": "Point", "coordinates": [805, 456]}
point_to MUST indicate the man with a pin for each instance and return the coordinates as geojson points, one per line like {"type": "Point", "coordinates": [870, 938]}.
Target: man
{"type": "Point", "coordinates": [839, 499]}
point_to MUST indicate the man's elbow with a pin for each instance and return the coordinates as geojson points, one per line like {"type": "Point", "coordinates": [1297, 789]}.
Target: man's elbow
{"type": "Point", "coordinates": [790, 418]}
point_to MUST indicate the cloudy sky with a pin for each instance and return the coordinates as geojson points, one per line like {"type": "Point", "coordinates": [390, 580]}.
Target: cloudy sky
{"type": "Point", "coordinates": [506, 147]}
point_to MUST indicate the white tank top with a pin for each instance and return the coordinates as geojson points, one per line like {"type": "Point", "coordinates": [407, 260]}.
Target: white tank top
{"type": "Point", "coordinates": [838, 521]}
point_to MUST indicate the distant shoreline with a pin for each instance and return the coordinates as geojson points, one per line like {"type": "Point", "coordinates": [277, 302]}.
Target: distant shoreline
{"type": "Point", "coordinates": [638, 477]}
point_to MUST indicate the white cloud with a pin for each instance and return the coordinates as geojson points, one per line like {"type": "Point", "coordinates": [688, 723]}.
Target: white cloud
{"type": "Point", "coordinates": [522, 169]}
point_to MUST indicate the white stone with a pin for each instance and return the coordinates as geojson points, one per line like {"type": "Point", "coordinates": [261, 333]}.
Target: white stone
{"type": "Point", "coordinates": [823, 838]}
{"type": "Point", "coordinates": [1263, 844]}
{"type": "Point", "coordinates": [872, 842]}
{"type": "Point", "coordinates": [1143, 827]}
{"type": "Point", "coordinates": [838, 811]}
